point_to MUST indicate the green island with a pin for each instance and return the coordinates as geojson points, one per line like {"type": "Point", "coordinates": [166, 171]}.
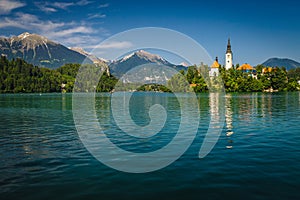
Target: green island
{"type": "Point", "coordinates": [17, 76]}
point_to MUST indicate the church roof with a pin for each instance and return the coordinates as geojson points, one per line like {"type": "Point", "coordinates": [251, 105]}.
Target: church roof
{"type": "Point", "coordinates": [228, 47]}
{"type": "Point", "coordinates": [245, 66]}
{"type": "Point", "coordinates": [215, 64]}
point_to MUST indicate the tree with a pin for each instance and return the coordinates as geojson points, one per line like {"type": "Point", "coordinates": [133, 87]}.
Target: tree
{"type": "Point", "coordinates": [18, 76]}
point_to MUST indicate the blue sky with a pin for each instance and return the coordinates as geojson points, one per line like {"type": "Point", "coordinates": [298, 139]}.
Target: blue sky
{"type": "Point", "coordinates": [258, 29]}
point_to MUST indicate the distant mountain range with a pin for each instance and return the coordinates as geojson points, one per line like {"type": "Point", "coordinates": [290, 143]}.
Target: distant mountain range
{"type": "Point", "coordinates": [137, 58]}
{"type": "Point", "coordinates": [39, 50]}
{"type": "Point", "coordinates": [281, 62]}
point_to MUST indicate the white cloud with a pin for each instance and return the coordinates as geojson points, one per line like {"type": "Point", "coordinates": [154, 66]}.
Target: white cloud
{"type": "Point", "coordinates": [31, 22]}
{"type": "Point", "coordinates": [6, 6]}
{"type": "Point", "coordinates": [71, 31]}
{"type": "Point", "coordinates": [7, 22]}
{"type": "Point", "coordinates": [114, 45]}
{"type": "Point", "coordinates": [21, 20]}
{"type": "Point", "coordinates": [83, 41]}
{"type": "Point", "coordinates": [27, 18]}
{"type": "Point", "coordinates": [53, 6]}
{"type": "Point", "coordinates": [97, 16]}
{"type": "Point", "coordinates": [44, 7]}
{"type": "Point", "coordinates": [104, 5]}
{"type": "Point", "coordinates": [84, 2]}
{"type": "Point", "coordinates": [48, 9]}
{"type": "Point", "coordinates": [62, 5]}
{"type": "Point", "coordinates": [67, 33]}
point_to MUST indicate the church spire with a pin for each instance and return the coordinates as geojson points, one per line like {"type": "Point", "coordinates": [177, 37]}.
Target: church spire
{"type": "Point", "coordinates": [228, 56]}
{"type": "Point", "coordinates": [228, 46]}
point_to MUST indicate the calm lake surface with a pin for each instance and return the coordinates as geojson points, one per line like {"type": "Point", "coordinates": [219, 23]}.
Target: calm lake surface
{"type": "Point", "coordinates": [256, 157]}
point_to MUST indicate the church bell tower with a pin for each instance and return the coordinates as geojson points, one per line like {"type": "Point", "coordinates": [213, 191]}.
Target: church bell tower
{"type": "Point", "coordinates": [228, 56]}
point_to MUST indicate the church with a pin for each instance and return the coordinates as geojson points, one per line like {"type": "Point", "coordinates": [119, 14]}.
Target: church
{"type": "Point", "coordinates": [214, 68]}
{"type": "Point", "coordinates": [228, 56]}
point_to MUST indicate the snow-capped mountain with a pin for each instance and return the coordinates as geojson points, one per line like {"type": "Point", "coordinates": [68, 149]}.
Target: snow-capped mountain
{"type": "Point", "coordinates": [38, 50]}
{"type": "Point", "coordinates": [153, 58]}
{"type": "Point", "coordinates": [184, 64]}
{"type": "Point", "coordinates": [121, 66]}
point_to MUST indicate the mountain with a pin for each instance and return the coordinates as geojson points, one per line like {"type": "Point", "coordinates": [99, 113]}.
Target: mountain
{"type": "Point", "coordinates": [281, 62]}
{"type": "Point", "coordinates": [121, 66]}
{"type": "Point", "coordinates": [184, 64]}
{"type": "Point", "coordinates": [39, 50]}
{"type": "Point", "coordinates": [93, 58]}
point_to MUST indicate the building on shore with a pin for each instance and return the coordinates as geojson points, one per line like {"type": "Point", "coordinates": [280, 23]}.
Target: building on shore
{"type": "Point", "coordinates": [267, 70]}
{"type": "Point", "coordinates": [228, 56]}
{"type": "Point", "coordinates": [246, 68]}
{"type": "Point", "coordinates": [214, 68]}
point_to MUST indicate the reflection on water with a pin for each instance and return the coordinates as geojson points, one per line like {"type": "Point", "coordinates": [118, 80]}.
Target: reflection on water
{"type": "Point", "coordinates": [216, 123]}
{"type": "Point", "coordinates": [43, 158]}
{"type": "Point", "coordinates": [229, 120]}
{"type": "Point", "coordinates": [241, 110]}
{"type": "Point", "coordinates": [63, 102]}
{"type": "Point", "coordinates": [228, 115]}
{"type": "Point", "coordinates": [266, 101]}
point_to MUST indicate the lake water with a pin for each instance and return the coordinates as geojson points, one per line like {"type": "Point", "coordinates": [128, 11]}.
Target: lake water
{"type": "Point", "coordinates": [256, 157]}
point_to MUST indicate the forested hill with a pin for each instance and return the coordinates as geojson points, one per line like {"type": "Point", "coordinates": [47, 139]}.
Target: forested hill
{"type": "Point", "coordinates": [19, 76]}
{"type": "Point", "coordinates": [279, 62]}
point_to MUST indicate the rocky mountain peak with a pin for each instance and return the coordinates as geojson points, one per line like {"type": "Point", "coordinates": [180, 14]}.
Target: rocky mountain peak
{"type": "Point", "coordinates": [137, 58]}
{"type": "Point", "coordinates": [141, 54]}
{"type": "Point", "coordinates": [23, 35]}
{"type": "Point", "coordinates": [38, 50]}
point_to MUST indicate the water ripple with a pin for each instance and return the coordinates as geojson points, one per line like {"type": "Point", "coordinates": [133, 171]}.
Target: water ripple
{"type": "Point", "coordinates": [42, 156]}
